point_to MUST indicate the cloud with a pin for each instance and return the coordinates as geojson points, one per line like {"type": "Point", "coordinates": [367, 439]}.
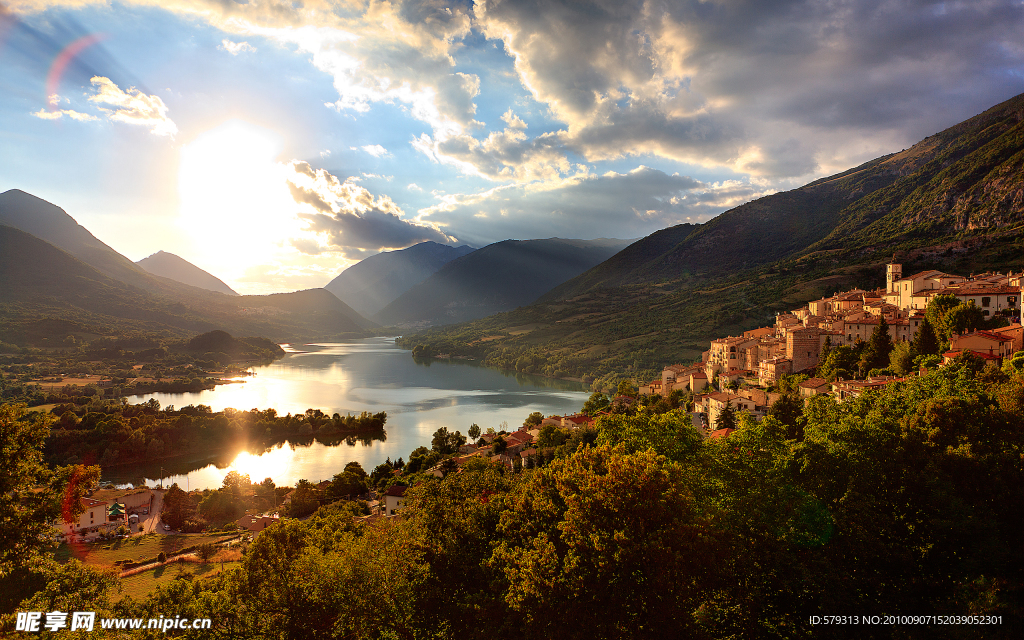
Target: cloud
{"type": "Point", "coordinates": [767, 88]}
{"type": "Point", "coordinates": [345, 217]}
{"type": "Point", "coordinates": [235, 48]}
{"type": "Point", "coordinates": [375, 150]}
{"type": "Point", "coordinates": [132, 107]}
{"type": "Point", "coordinates": [623, 205]}
{"type": "Point", "coordinates": [57, 114]}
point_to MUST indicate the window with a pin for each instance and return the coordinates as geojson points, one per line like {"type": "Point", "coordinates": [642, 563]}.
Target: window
{"type": "Point", "coordinates": [986, 302]}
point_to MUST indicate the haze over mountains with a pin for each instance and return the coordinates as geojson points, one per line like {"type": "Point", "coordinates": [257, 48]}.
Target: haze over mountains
{"type": "Point", "coordinates": [174, 267]}
{"type": "Point", "coordinates": [498, 277]}
{"type": "Point", "coordinates": [368, 286]}
{"type": "Point", "coordinates": [63, 272]}
{"type": "Point", "coordinates": [954, 201]}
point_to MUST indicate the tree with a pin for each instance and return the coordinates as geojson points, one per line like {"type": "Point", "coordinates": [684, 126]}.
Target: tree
{"type": "Point", "coordinates": [26, 511]}
{"type": "Point", "coordinates": [626, 388]}
{"type": "Point", "coordinates": [584, 549]}
{"type": "Point", "coordinates": [726, 417]}
{"type": "Point", "coordinates": [206, 551]}
{"type": "Point", "coordinates": [305, 499]}
{"type": "Point", "coordinates": [237, 484]}
{"type": "Point", "coordinates": [446, 443]}
{"type": "Point", "coordinates": [597, 403]}
{"type": "Point", "coordinates": [500, 446]}
{"type": "Point", "coordinates": [962, 318]}
{"type": "Point", "coordinates": [533, 420]}
{"type": "Point", "coordinates": [474, 431]}
{"type": "Point", "coordinates": [925, 341]}
{"type": "Point", "coordinates": [876, 354]}
{"type": "Point", "coordinates": [901, 358]}
{"type": "Point", "coordinates": [178, 507]}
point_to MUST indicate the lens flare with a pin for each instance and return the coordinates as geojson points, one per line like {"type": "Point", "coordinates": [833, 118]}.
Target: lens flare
{"type": "Point", "coordinates": [61, 62]}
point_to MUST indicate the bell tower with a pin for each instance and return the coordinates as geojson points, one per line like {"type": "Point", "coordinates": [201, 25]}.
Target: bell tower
{"type": "Point", "coordinates": [893, 272]}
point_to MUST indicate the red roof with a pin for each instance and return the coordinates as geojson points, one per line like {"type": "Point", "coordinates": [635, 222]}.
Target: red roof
{"type": "Point", "coordinates": [396, 490]}
{"type": "Point", "coordinates": [720, 433]}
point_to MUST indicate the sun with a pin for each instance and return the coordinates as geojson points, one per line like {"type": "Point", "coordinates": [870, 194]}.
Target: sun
{"type": "Point", "coordinates": [235, 204]}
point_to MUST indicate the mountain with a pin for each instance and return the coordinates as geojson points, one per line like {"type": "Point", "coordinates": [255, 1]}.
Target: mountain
{"type": "Point", "coordinates": [498, 277]}
{"type": "Point", "coordinates": [171, 266]}
{"type": "Point", "coordinates": [47, 293]}
{"type": "Point", "coordinates": [954, 201]}
{"type": "Point", "coordinates": [49, 222]}
{"type": "Point", "coordinates": [368, 286]}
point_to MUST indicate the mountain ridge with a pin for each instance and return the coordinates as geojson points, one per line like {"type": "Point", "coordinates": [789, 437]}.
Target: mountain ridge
{"type": "Point", "coordinates": [501, 276]}
{"type": "Point", "coordinates": [953, 201]}
{"type": "Point", "coordinates": [371, 284]}
{"type": "Point", "coordinates": [169, 265]}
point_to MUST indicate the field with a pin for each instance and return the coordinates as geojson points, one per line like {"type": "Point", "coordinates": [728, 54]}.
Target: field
{"type": "Point", "coordinates": [135, 549]}
{"type": "Point", "coordinates": [142, 584]}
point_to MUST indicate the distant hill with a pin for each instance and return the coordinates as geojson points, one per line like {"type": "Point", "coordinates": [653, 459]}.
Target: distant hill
{"type": "Point", "coordinates": [49, 222]}
{"type": "Point", "coordinates": [171, 266]}
{"type": "Point", "coordinates": [498, 277]}
{"type": "Point", "coordinates": [47, 292]}
{"type": "Point", "coordinates": [954, 201]}
{"type": "Point", "coordinates": [370, 285]}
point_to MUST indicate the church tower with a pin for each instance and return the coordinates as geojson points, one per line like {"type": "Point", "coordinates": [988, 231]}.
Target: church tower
{"type": "Point", "coordinates": [893, 272]}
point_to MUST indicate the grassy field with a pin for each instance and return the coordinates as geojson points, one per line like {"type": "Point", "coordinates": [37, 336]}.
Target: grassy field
{"type": "Point", "coordinates": [145, 547]}
{"type": "Point", "coordinates": [142, 584]}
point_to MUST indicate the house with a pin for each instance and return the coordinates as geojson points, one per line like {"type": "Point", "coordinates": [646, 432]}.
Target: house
{"type": "Point", "coordinates": [949, 356]}
{"type": "Point", "coordinates": [394, 499]}
{"type": "Point", "coordinates": [255, 523]}
{"type": "Point", "coordinates": [1016, 334]}
{"type": "Point", "coordinates": [719, 434]}
{"type": "Point", "coordinates": [772, 369]}
{"type": "Point", "coordinates": [716, 403]}
{"type": "Point", "coordinates": [814, 387]}
{"type": "Point", "coordinates": [844, 390]}
{"type": "Point", "coordinates": [983, 342]}
{"type": "Point", "coordinates": [93, 519]}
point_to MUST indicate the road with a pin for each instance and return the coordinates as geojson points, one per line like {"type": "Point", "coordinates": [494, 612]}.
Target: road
{"type": "Point", "coordinates": [152, 522]}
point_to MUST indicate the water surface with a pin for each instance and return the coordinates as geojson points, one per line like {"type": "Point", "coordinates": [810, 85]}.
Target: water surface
{"type": "Point", "coordinates": [419, 396]}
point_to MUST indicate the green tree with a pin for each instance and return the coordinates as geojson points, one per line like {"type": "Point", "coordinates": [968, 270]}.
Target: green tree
{"type": "Point", "coordinates": [726, 417]}
{"type": "Point", "coordinates": [446, 443]}
{"type": "Point", "coordinates": [876, 354]}
{"type": "Point", "coordinates": [474, 431]}
{"type": "Point", "coordinates": [591, 533]}
{"type": "Point", "coordinates": [901, 358]}
{"type": "Point", "coordinates": [925, 341]}
{"type": "Point", "coordinates": [962, 318]}
{"type": "Point", "coordinates": [305, 499]}
{"type": "Point", "coordinates": [533, 420]}
{"type": "Point", "coordinates": [597, 403]}
{"type": "Point", "coordinates": [206, 551]}
{"type": "Point", "coordinates": [626, 388]}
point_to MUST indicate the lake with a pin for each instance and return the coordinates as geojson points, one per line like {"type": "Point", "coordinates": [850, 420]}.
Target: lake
{"type": "Point", "coordinates": [373, 374]}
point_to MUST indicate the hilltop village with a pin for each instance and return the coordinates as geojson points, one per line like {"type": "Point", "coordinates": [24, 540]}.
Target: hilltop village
{"type": "Point", "coordinates": [741, 372]}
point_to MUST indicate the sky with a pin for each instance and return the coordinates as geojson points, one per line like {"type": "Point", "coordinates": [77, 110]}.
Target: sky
{"type": "Point", "coordinates": [275, 143]}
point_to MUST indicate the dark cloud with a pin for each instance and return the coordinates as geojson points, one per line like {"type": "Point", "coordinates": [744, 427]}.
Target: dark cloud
{"type": "Point", "coordinates": [619, 205]}
{"type": "Point", "coordinates": [350, 219]}
{"type": "Point", "coordinates": [777, 88]}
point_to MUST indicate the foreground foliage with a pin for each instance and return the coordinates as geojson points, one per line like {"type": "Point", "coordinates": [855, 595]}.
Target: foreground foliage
{"type": "Point", "coordinates": [904, 501]}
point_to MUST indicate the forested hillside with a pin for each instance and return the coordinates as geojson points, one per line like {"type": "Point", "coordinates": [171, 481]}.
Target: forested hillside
{"type": "Point", "coordinates": [954, 201]}
{"type": "Point", "coordinates": [901, 502]}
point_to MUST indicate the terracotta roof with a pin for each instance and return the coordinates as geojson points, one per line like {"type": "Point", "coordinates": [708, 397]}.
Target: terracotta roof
{"type": "Point", "coordinates": [700, 374]}
{"type": "Point", "coordinates": [720, 433]}
{"type": "Point", "coordinates": [814, 383]}
{"type": "Point", "coordinates": [983, 356]}
{"type": "Point", "coordinates": [928, 274]}
{"type": "Point", "coordinates": [89, 503]}
{"type": "Point", "coordinates": [396, 490]}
